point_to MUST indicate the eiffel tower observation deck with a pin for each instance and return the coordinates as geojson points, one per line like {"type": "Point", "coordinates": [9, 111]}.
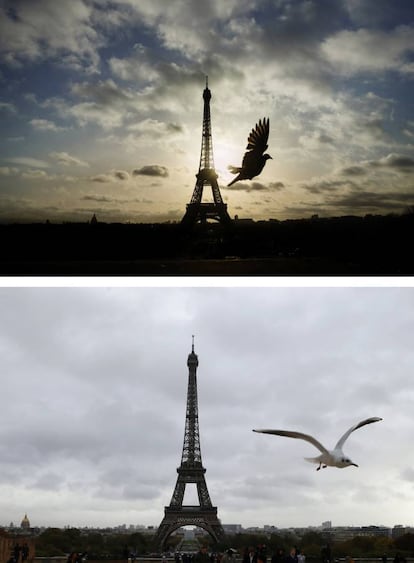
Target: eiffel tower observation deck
{"type": "Point", "coordinates": [197, 210]}
{"type": "Point", "coordinates": [191, 471]}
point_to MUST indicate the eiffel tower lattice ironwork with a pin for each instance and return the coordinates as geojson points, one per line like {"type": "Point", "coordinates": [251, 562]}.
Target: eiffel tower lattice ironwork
{"type": "Point", "coordinates": [198, 211]}
{"type": "Point", "coordinates": [191, 470]}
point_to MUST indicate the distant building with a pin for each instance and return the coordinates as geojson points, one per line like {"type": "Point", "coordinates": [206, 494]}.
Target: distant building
{"type": "Point", "coordinates": [344, 533]}
{"type": "Point", "coordinates": [232, 528]}
{"type": "Point", "coordinates": [382, 531]}
{"type": "Point", "coordinates": [25, 524]}
{"type": "Point", "coordinates": [245, 220]}
{"type": "Point", "coordinates": [8, 540]}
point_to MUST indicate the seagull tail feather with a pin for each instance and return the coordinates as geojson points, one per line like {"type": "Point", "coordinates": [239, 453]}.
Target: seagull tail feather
{"type": "Point", "coordinates": [312, 459]}
{"type": "Point", "coordinates": [236, 179]}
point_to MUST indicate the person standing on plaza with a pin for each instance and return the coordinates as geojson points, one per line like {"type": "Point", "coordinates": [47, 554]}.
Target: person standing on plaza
{"type": "Point", "coordinates": [202, 556]}
{"type": "Point", "coordinates": [279, 556]}
{"type": "Point", "coordinates": [292, 557]}
{"type": "Point", "coordinates": [228, 557]}
{"type": "Point", "coordinates": [250, 555]}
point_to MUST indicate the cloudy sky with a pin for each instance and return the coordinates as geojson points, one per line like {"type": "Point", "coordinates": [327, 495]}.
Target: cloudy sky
{"type": "Point", "coordinates": [101, 106]}
{"type": "Point", "coordinates": [94, 391]}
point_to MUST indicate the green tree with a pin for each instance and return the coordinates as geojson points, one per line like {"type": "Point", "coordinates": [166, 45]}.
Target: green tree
{"type": "Point", "coordinates": [54, 541]}
{"type": "Point", "coordinates": [405, 543]}
{"type": "Point", "coordinates": [311, 544]}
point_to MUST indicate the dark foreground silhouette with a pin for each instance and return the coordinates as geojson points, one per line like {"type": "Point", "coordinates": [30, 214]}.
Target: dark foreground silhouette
{"type": "Point", "coordinates": [370, 245]}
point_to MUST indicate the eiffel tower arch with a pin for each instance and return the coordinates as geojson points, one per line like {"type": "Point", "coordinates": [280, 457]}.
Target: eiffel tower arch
{"type": "Point", "coordinates": [191, 470]}
{"type": "Point", "coordinates": [197, 210]}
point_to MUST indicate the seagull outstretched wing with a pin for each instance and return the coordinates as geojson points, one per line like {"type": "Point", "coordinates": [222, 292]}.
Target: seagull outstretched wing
{"type": "Point", "coordinates": [342, 440]}
{"type": "Point", "coordinates": [299, 435]}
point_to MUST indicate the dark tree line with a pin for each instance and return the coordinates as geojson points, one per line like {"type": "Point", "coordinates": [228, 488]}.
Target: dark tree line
{"type": "Point", "coordinates": [97, 545]}
{"type": "Point", "coordinates": [107, 545]}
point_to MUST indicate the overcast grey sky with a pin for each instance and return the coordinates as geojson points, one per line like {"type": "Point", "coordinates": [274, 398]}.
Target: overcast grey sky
{"type": "Point", "coordinates": [94, 392]}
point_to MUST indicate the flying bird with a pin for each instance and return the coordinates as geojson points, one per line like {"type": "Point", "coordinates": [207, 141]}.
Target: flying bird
{"type": "Point", "coordinates": [333, 458]}
{"type": "Point", "coordinates": [254, 159]}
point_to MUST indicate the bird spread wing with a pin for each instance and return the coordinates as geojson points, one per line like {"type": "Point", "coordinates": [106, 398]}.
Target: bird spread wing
{"type": "Point", "coordinates": [253, 159]}
{"type": "Point", "coordinates": [290, 434]}
{"type": "Point", "coordinates": [355, 427]}
{"type": "Point", "coordinates": [256, 143]}
{"type": "Point", "coordinates": [257, 140]}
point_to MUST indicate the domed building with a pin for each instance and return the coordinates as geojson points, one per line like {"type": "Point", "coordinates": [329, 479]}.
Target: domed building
{"type": "Point", "coordinates": [25, 523]}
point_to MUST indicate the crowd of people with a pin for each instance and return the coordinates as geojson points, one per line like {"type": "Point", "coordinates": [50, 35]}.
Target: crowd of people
{"type": "Point", "coordinates": [250, 555]}
{"type": "Point", "coordinates": [76, 557]}
{"type": "Point", "coordinates": [259, 555]}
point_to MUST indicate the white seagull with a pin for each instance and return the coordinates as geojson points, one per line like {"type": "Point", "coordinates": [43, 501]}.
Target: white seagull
{"type": "Point", "coordinates": [333, 458]}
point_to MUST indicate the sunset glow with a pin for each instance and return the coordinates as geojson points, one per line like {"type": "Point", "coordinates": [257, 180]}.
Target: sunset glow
{"type": "Point", "coordinates": [101, 106]}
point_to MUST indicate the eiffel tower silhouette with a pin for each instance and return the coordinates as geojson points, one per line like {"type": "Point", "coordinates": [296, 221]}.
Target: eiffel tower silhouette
{"type": "Point", "coordinates": [198, 211]}
{"type": "Point", "coordinates": [191, 470]}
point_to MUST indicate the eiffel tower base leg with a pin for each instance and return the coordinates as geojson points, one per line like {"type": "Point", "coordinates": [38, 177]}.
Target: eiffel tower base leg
{"type": "Point", "coordinates": [201, 212]}
{"type": "Point", "coordinates": [192, 516]}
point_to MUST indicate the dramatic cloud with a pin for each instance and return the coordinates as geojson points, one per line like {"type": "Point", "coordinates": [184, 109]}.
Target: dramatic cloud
{"type": "Point", "coordinates": [277, 186]}
{"type": "Point", "coordinates": [28, 161]}
{"type": "Point", "coordinates": [34, 33]}
{"type": "Point", "coordinates": [8, 107]}
{"type": "Point", "coordinates": [122, 82]}
{"type": "Point", "coordinates": [151, 170]}
{"type": "Point", "coordinates": [371, 51]}
{"type": "Point", "coordinates": [255, 186]}
{"type": "Point", "coordinates": [251, 186]}
{"type": "Point", "coordinates": [397, 161]}
{"type": "Point", "coordinates": [45, 125]}
{"type": "Point", "coordinates": [105, 93]}
{"type": "Point", "coordinates": [66, 159]}
{"type": "Point", "coordinates": [8, 171]}
{"type": "Point", "coordinates": [98, 198]}
{"type": "Point", "coordinates": [121, 175]}
{"type": "Point", "coordinates": [112, 176]}
{"type": "Point", "coordinates": [353, 171]}
{"type": "Point", "coordinates": [35, 174]}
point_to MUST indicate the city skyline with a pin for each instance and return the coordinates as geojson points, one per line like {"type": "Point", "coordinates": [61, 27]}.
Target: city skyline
{"type": "Point", "coordinates": [94, 396]}
{"type": "Point", "coordinates": [101, 106]}
{"type": "Point", "coordinates": [228, 526]}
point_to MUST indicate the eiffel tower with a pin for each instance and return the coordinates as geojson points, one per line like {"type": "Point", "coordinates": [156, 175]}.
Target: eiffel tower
{"type": "Point", "coordinates": [197, 211]}
{"type": "Point", "coordinates": [191, 470]}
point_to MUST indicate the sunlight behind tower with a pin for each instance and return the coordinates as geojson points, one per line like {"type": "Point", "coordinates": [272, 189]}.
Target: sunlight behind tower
{"type": "Point", "coordinates": [197, 210]}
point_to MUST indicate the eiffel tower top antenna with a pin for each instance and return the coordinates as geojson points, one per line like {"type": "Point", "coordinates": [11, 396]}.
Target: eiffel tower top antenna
{"type": "Point", "coordinates": [206, 156]}
{"type": "Point", "coordinates": [192, 346]}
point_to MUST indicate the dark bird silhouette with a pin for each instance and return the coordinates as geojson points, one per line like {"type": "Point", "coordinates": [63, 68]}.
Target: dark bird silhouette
{"type": "Point", "coordinates": [254, 159]}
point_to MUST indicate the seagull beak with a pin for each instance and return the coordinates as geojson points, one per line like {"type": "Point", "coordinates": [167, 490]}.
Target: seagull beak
{"type": "Point", "coordinates": [354, 464]}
